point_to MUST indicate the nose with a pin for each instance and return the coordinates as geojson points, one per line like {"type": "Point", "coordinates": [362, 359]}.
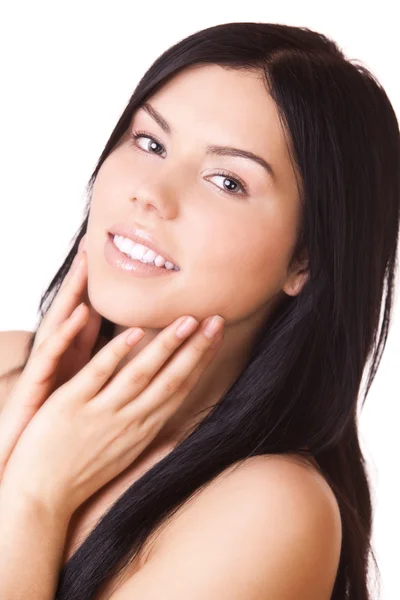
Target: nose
{"type": "Point", "coordinates": [161, 192]}
{"type": "Point", "coordinates": [158, 201]}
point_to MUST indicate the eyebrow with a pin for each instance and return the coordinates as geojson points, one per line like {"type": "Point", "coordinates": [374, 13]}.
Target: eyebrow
{"type": "Point", "coordinates": [212, 148]}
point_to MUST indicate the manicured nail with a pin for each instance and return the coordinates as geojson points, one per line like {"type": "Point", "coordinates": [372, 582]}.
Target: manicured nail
{"type": "Point", "coordinates": [77, 312]}
{"type": "Point", "coordinates": [134, 336]}
{"type": "Point", "coordinates": [213, 326]}
{"type": "Point", "coordinates": [187, 327]}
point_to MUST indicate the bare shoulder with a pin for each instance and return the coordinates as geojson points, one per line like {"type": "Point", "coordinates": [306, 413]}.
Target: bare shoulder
{"type": "Point", "coordinates": [283, 492]}
{"type": "Point", "coordinates": [268, 526]}
{"type": "Point", "coordinates": [14, 348]}
{"type": "Point", "coordinates": [271, 481]}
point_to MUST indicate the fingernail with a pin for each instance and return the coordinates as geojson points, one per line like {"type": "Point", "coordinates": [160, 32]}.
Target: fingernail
{"type": "Point", "coordinates": [77, 312]}
{"type": "Point", "coordinates": [134, 336]}
{"type": "Point", "coordinates": [213, 326]}
{"type": "Point", "coordinates": [187, 327]}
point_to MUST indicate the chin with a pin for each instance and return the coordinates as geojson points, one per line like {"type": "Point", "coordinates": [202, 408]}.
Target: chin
{"type": "Point", "coordinates": [137, 312]}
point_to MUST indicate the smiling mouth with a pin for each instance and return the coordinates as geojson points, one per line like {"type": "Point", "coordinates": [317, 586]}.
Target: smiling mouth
{"type": "Point", "coordinates": [141, 253]}
{"type": "Point", "coordinates": [135, 242]}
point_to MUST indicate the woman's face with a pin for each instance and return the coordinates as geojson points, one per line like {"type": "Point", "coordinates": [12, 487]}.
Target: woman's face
{"type": "Point", "coordinates": [232, 247]}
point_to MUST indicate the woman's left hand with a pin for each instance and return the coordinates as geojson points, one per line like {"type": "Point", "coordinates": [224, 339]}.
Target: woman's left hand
{"type": "Point", "coordinates": [96, 424]}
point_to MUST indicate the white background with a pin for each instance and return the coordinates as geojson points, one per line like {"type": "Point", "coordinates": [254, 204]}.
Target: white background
{"type": "Point", "coordinates": [67, 71]}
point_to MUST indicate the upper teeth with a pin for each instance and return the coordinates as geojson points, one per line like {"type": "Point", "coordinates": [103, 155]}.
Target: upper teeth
{"type": "Point", "coordinates": [142, 253]}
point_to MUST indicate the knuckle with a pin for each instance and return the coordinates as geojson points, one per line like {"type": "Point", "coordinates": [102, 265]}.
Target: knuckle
{"type": "Point", "coordinates": [136, 425]}
{"type": "Point", "coordinates": [197, 373]}
{"type": "Point", "coordinates": [148, 426]}
{"type": "Point", "coordinates": [186, 386]}
{"type": "Point", "coordinates": [100, 370]}
{"type": "Point", "coordinates": [61, 399]}
{"type": "Point", "coordinates": [75, 295]}
{"type": "Point", "coordinates": [169, 343]}
{"type": "Point", "coordinates": [116, 352]}
{"type": "Point", "coordinates": [136, 421]}
{"type": "Point", "coordinates": [139, 378]}
{"type": "Point", "coordinates": [43, 346]}
{"type": "Point", "coordinates": [171, 384]}
{"type": "Point", "coordinates": [200, 346]}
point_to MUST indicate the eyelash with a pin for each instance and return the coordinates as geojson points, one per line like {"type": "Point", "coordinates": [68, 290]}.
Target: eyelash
{"type": "Point", "coordinates": [137, 134]}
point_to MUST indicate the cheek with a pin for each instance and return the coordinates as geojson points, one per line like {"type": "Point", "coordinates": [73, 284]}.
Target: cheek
{"type": "Point", "coordinates": [113, 175]}
{"type": "Point", "coordinates": [110, 192]}
{"type": "Point", "coordinates": [239, 265]}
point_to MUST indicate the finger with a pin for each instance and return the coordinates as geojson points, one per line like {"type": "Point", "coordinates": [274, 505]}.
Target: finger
{"type": "Point", "coordinates": [156, 418]}
{"type": "Point", "coordinates": [32, 387]}
{"type": "Point", "coordinates": [135, 377]}
{"type": "Point", "coordinates": [82, 245]}
{"type": "Point", "coordinates": [95, 374]}
{"type": "Point", "coordinates": [69, 296]}
{"type": "Point", "coordinates": [72, 268]}
{"type": "Point", "coordinates": [87, 337]}
{"type": "Point", "coordinates": [72, 286]}
{"type": "Point", "coordinates": [35, 384]}
{"type": "Point", "coordinates": [144, 365]}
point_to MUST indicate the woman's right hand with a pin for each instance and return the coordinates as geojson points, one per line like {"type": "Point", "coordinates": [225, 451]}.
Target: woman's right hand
{"type": "Point", "coordinates": [71, 350]}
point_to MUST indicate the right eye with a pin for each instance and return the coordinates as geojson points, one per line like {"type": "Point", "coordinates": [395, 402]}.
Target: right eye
{"type": "Point", "coordinates": [135, 135]}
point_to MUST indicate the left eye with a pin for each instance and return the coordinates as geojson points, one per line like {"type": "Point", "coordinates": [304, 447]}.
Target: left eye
{"type": "Point", "coordinates": [227, 177]}
{"type": "Point", "coordinates": [224, 174]}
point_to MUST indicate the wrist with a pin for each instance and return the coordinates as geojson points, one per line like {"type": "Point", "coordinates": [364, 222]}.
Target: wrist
{"type": "Point", "coordinates": [27, 499]}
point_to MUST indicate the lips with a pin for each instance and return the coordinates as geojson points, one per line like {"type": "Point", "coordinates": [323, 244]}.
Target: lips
{"type": "Point", "coordinates": [140, 236]}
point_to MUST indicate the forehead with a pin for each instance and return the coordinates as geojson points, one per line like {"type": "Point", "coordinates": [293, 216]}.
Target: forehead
{"type": "Point", "coordinates": [218, 105]}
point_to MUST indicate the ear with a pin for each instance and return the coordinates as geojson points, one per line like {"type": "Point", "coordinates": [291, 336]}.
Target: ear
{"type": "Point", "coordinates": [297, 278]}
{"type": "Point", "coordinates": [294, 285]}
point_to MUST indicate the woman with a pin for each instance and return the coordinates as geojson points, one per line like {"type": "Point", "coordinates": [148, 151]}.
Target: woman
{"type": "Point", "coordinates": [297, 254]}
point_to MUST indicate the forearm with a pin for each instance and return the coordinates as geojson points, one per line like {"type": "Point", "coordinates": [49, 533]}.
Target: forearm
{"type": "Point", "coordinates": [32, 540]}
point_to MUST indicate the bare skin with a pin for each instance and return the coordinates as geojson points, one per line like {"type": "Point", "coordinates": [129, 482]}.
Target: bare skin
{"type": "Point", "coordinates": [233, 251]}
{"type": "Point", "coordinates": [175, 196]}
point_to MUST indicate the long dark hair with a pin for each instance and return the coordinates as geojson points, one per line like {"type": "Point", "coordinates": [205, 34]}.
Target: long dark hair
{"type": "Point", "coordinates": [300, 388]}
